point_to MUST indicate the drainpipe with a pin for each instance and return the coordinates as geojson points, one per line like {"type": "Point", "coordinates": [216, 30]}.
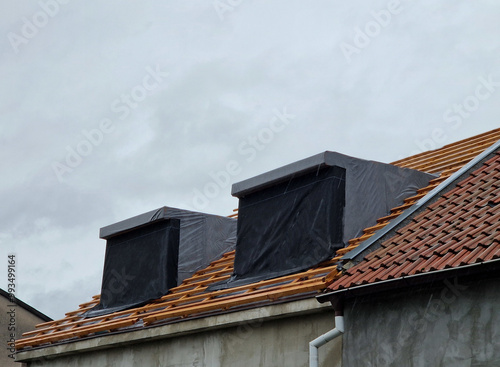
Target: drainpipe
{"type": "Point", "coordinates": [325, 338]}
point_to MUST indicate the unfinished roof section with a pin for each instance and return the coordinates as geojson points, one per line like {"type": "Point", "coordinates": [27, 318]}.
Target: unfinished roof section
{"type": "Point", "coordinates": [458, 230]}
{"type": "Point", "coordinates": [144, 257]}
{"type": "Point", "coordinates": [203, 237]}
{"type": "Point", "coordinates": [187, 301]}
{"type": "Point", "coordinates": [295, 217]}
{"type": "Point", "coordinates": [444, 161]}
{"type": "Point", "coordinates": [191, 299]}
{"type": "Point", "coordinates": [372, 188]}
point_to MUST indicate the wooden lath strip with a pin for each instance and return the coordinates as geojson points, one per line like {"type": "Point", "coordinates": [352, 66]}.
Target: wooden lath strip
{"type": "Point", "coordinates": [201, 280]}
{"type": "Point", "coordinates": [445, 157]}
{"type": "Point", "coordinates": [88, 304]}
{"type": "Point", "coordinates": [204, 282]}
{"type": "Point", "coordinates": [190, 297]}
{"type": "Point", "coordinates": [79, 311]}
{"type": "Point", "coordinates": [215, 265]}
{"type": "Point", "coordinates": [268, 283]}
{"type": "Point", "coordinates": [489, 137]}
{"type": "Point", "coordinates": [178, 302]}
{"type": "Point", "coordinates": [81, 321]}
{"type": "Point", "coordinates": [61, 335]}
{"type": "Point", "coordinates": [218, 275]}
{"type": "Point", "coordinates": [458, 155]}
{"type": "Point", "coordinates": [302, 287]}
{"type": "Point", "coordinates": [435, 168]}
{"type": "Point", "coordinates": [222, 292]}
{"type": "Point", "coordinates": [259, 295]}
{"type": "Point", "coordinates": [57, 323]}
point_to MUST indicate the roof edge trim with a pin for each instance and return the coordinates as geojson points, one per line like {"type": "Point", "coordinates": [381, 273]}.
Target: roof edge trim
{"type": "Point", "coordinates": [281, 174]}
{"type": "Point", "coordinates": [410, 280]}
{"type": "Point", "coordinates": [27, 307]}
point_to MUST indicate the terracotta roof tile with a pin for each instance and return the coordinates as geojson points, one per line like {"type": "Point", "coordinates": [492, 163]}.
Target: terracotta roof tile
{"type": "Point", "coordinates": [460, 228]}
{"type": "Point", "coordinates": [493, 252]}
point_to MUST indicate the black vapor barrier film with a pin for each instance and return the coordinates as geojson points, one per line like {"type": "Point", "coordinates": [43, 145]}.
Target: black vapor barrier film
{"type": "Point", "coordinates": [150, 253]}
{"type": "Point", "coordinates": [140, 266]}
{"type": "Point", "coordinates": [289, 227]}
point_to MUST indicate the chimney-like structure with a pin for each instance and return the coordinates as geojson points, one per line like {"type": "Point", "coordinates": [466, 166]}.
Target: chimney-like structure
{"type": "Point", "coordinates": [151, 253]}
{"type": "Point", "coordinates": [292, 218]}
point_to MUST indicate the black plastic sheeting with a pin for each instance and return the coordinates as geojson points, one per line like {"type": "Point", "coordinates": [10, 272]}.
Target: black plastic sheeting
{"type": "Point", "coordinates": [275, 237]}
{"type": "Point", "coordinates": [202, 239]}
{"type": "Point", "coordinates": [282, 232]}
{"type": "Point", "coordinates": [139, 266]}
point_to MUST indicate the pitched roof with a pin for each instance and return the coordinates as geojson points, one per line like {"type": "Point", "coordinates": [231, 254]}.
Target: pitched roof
{"type": "Point", "coordinates": [192, 300]}
{"type": "Point", "coordinates": [459, 229]}
{"type": "Point", "coordinates": [189, 300]}
{"type": "Point", "coordinates": [444, 161]}
{"type": "Point", "coordinates": [24, 305]}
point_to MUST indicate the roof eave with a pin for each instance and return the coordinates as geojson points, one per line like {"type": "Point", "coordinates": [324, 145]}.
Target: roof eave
{"type": "Point", "coordinates": [482, 269]}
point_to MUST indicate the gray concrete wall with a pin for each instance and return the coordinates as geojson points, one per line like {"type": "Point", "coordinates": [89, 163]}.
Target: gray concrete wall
{"type": "Point", "coordinates": [24, 321]}
{"type": "Point", "coordinates": [452, 324]}
{"type": "Point", "coordinates": [260, 343]}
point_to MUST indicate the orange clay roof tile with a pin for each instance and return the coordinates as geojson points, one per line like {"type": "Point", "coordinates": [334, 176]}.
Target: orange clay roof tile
{"type": "Point", "coordinates": [459, 229]}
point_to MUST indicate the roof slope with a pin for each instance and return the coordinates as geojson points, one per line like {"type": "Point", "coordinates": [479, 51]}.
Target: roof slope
{"type": "Point", "coordinates": [24, 305]}
{"type": "Point", "coordinates": [461, 228]}
{"type": "Point", "coordinates": [191, 300]}
{"type": "Point", "coordinates": [444, 161]}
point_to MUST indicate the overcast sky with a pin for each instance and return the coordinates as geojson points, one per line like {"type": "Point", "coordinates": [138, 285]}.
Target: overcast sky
{"type": "Point", "coordinates": [111, 109]}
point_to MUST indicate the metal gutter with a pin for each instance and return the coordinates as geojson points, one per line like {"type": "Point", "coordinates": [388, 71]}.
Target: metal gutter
{"type": "Point", "coordinates": [359, 251]}
{"type": "Point", "coordinates": [412, 280]}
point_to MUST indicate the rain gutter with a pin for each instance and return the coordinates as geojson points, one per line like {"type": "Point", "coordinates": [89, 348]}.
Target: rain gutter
{"type": "Point", "coordinates": [482, 269]}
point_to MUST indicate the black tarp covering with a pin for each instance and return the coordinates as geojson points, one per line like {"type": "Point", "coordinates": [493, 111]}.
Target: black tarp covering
{"type": "Point", "coordinates": [291, 226]}
{"type": "Point", "coordinates": [372, 189]}
{"type": "Point", "coordinates": [202, 238]}
{"type": "Point", "coordinates": [139, 266]}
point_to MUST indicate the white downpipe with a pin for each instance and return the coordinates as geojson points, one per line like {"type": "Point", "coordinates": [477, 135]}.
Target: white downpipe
{"type": "Point", "coordinates": [323, 339]}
